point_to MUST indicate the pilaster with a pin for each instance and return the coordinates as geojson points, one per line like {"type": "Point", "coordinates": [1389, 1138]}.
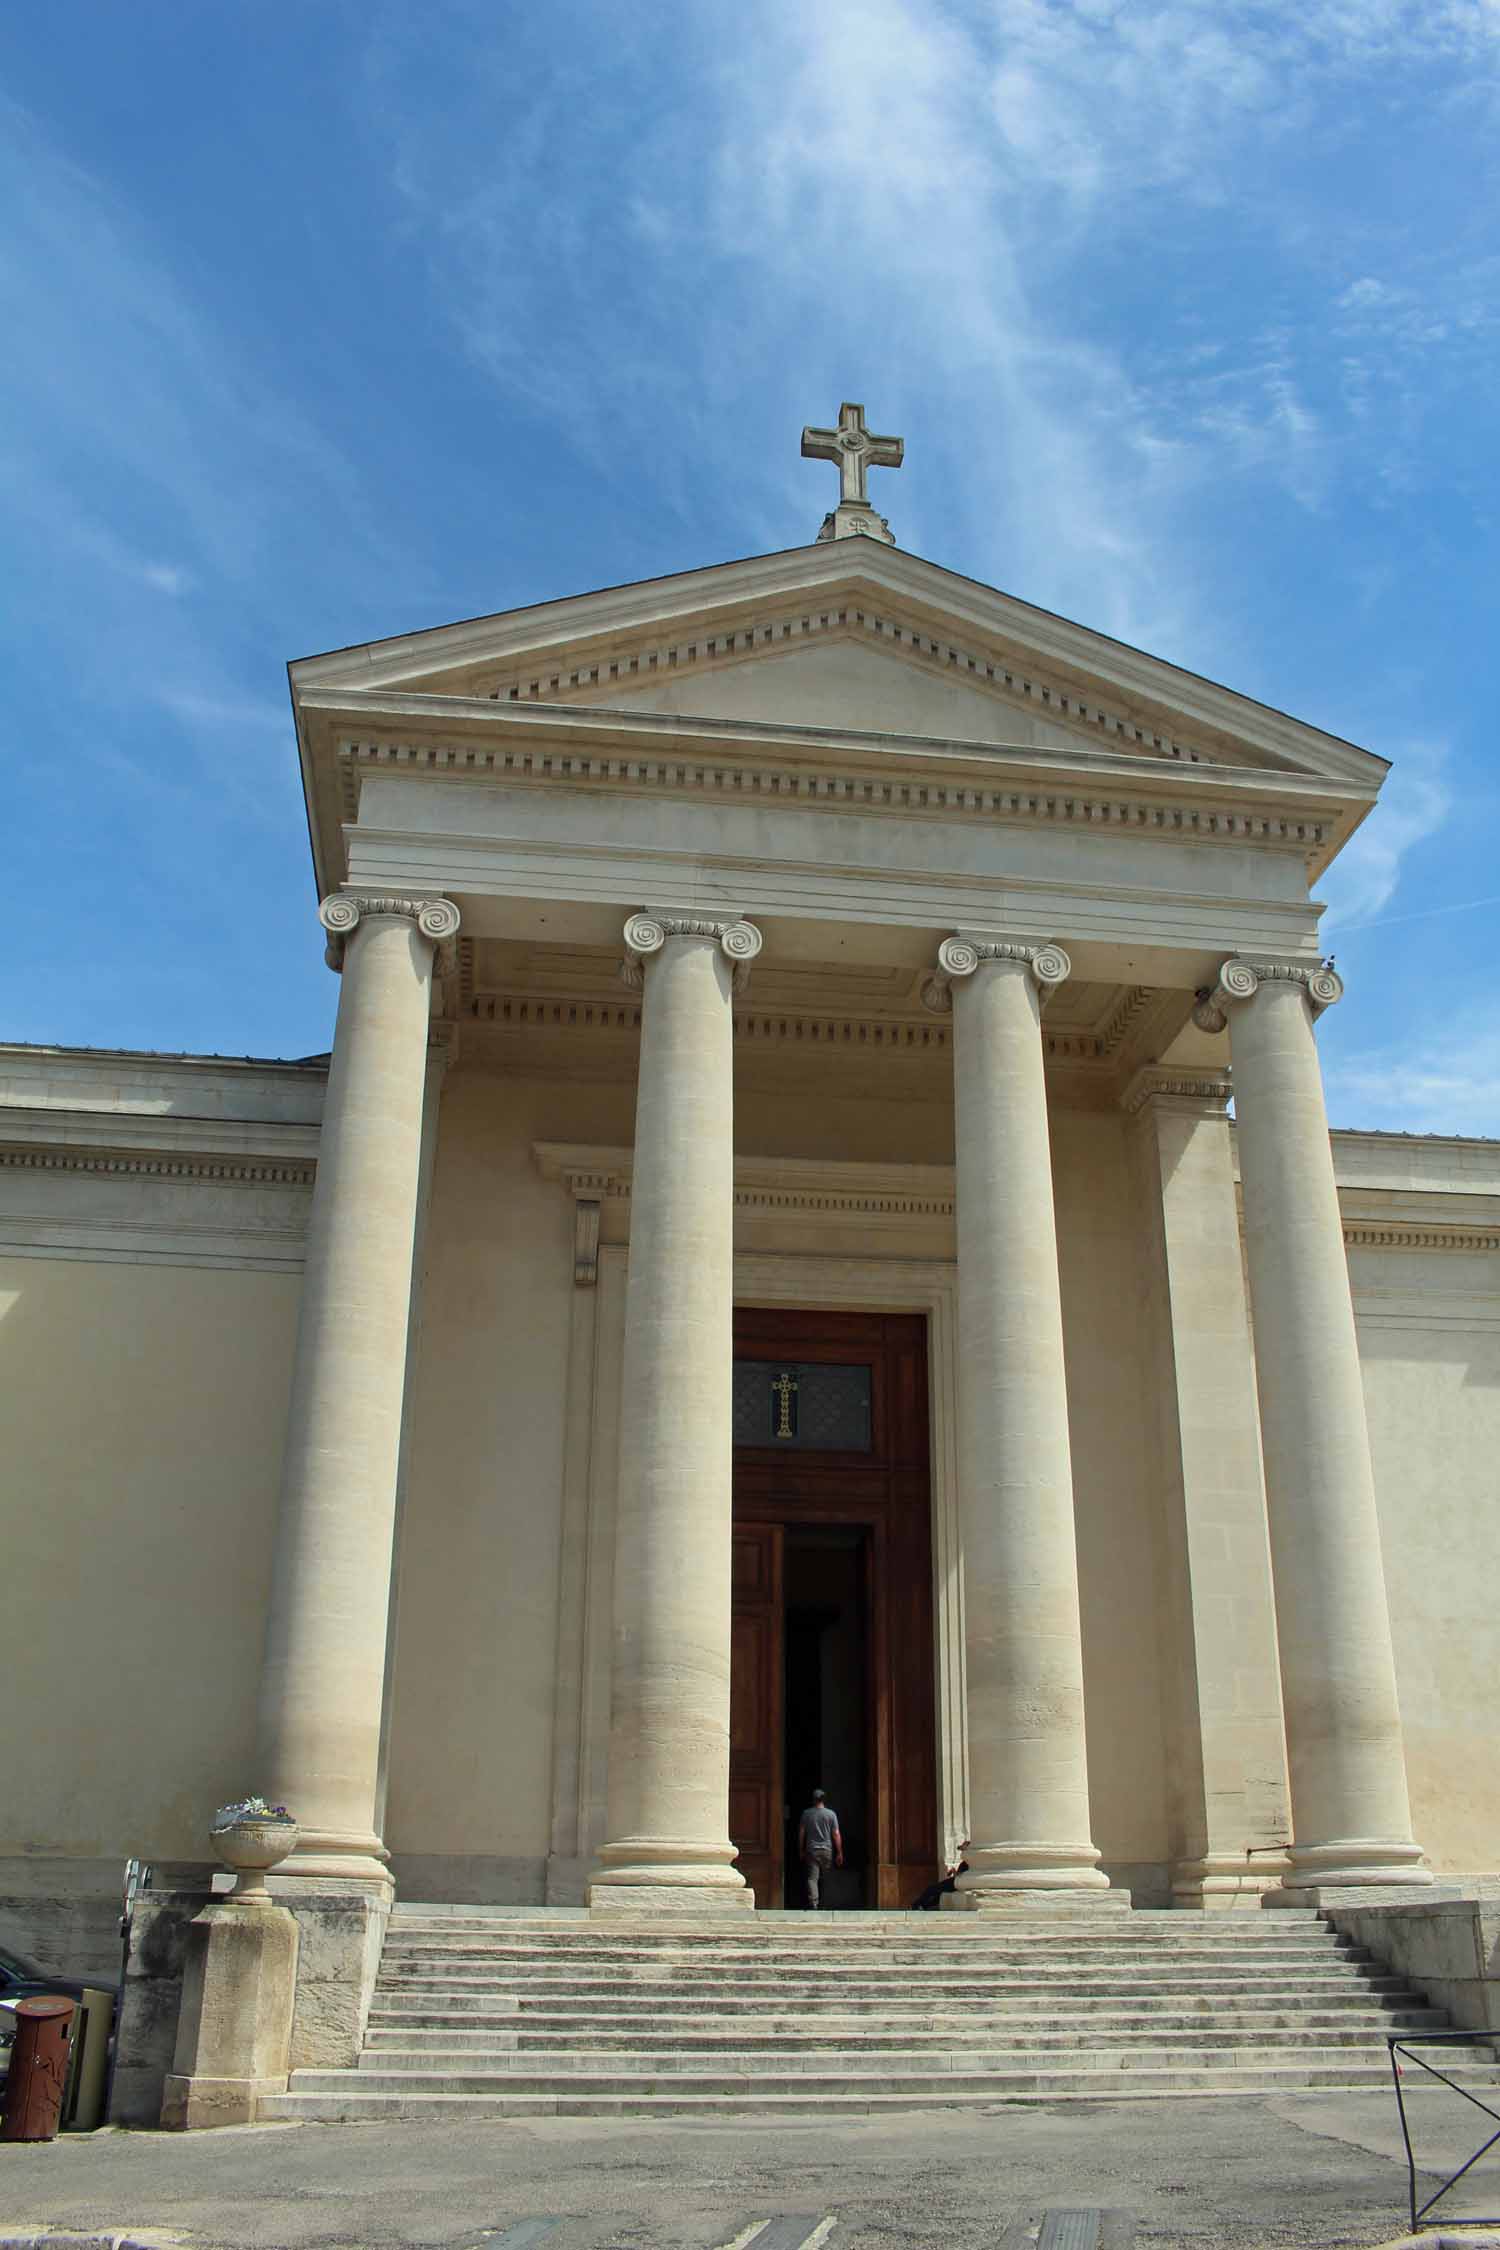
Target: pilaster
{"type": "Point", "coordinates": [1225, 1760]}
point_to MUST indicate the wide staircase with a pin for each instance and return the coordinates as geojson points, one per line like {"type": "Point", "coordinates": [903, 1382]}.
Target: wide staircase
{"type": "Point", "coordinates": [524, 2013]}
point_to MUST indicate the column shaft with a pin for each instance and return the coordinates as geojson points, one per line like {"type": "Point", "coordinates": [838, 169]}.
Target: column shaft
{"type": "Point", "coordinates": [323, 1678]}
{"type": "Point", "coordinates": [1029, 1809]}
{"type": "Point", "coordinates": [668, 1821]}
{"type": "Point", "coordinates": [1351, 1819]}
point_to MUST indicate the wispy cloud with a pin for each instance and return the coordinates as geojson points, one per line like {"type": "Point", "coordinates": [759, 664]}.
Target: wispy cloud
{"type": "Point", "coordinates": [921, 202]}
{"type": "Point", "coordinates": [1414, 804]}
{"type": "Point", "coordinates": [1449, 1083]}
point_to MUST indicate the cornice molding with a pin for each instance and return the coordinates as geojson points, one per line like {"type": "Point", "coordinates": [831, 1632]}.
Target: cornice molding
{"type": "Point", "coordinates": [1205, 1092]}
{"type": "Point", "coordinates": [898, 1038]}
{"type": "Point", "coordinates": [220, 1171]}
{"type": "Point", "coordinates": [261, 1152]}
{"type": "Point", "coordinates": [904, 1193]}
{"type": "Point", "coordinates": [888, 582]}
{"type": "Point", "coordinates": [1402, 1234]}
{"type": "Point", "coordinates": [1093, 799]}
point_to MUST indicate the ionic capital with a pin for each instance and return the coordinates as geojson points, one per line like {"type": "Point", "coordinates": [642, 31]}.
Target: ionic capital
{"type": "Point", "coordinates": [1239, 981]}
{"type": "Point", "coordinates": [342, 912]}
{"type": "Point", "coordinates": [647, 932]}
{"type": "Point", "coordinates": [960, 956]}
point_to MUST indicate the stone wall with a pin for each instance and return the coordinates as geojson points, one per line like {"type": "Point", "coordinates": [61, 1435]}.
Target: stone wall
{"type": "Point", "coordinates": [1448, 1947]}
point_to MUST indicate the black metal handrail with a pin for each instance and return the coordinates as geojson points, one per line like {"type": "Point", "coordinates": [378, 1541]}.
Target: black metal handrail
{"type": "Point", "coordinates": [1405, 2044]}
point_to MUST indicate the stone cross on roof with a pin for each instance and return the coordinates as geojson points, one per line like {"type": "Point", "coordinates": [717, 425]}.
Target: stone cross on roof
{"type": "Point", "coordinates": [857, 451]}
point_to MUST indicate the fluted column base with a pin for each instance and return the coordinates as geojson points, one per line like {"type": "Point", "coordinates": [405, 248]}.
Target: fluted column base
{"type": "Point", "coordinates": [1350, 1862]}
{"type": "Point", "coordinates": [657, 1875]}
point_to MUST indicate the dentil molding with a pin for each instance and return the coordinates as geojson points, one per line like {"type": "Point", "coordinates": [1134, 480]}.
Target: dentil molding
{"type": "Point", "coordinates": [1020, 686]}
{"type": "Point", "coordinates": [1093, 802]}
{"type": "Point", "coordinates": [881, 1196]}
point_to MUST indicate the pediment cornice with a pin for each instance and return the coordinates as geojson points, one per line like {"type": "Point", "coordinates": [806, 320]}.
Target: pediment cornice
{"type": "Point", "coordinates": [880, 589]}
{"type": "Point", "coordinates": [526, 693]}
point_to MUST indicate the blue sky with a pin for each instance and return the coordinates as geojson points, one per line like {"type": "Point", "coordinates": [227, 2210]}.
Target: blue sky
{"type": "Point", "coordinates": [325, 322]}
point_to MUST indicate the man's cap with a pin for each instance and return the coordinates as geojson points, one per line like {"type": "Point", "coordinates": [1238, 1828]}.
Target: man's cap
{"type": "Point", "coordinates": [817, 1796]}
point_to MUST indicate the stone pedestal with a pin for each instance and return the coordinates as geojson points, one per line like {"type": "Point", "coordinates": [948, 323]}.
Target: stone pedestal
{"type": "Point", "coordinates": [1028, 1774]}
{"type": "Point", "coordinates": [668, 1821]}
{"type": "Point", "coordinates": [234, 2033]}
{"type": "Point", "coordinates": [1351, 1821]}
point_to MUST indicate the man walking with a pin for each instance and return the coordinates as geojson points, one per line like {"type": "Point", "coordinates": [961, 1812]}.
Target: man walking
{"type": "Point", "coordinates": [819, 1842]}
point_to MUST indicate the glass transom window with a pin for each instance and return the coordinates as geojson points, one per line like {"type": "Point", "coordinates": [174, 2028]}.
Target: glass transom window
{"type": "Point", "coordinates": [802, 1404]}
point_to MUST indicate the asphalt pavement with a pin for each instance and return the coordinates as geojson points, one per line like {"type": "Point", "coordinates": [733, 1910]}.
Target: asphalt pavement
{"type": "Point", "coordinates": [1320, 2169]}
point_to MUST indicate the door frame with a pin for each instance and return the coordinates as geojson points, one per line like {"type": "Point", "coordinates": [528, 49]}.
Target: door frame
{"type": "Point", "coordinates": [769, 1278]}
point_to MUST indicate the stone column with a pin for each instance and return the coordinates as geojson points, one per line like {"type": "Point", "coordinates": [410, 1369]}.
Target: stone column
{"type": "Point", "coordinates": [668, 1825]}
{"type": "Point", "coordinates": [1028, 1774]}
{"type": "Point", "coordinates": [323, 1678]}
{"type": "Point", "coordinates": [1351, 1821]}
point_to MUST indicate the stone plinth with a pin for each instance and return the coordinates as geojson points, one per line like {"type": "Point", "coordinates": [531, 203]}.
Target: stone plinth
{"type": "Point", "coordinates": [234, 2035]}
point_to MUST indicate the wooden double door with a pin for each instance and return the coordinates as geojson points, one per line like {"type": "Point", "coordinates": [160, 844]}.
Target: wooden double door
{"type": "Point", "coordinates": [833, 1680]}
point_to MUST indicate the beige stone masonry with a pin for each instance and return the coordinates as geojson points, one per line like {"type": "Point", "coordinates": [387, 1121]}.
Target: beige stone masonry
{"type": "Point", "coordinates": [1028, 1772]}
{"type": "Point", "coordinates": [1225, 1760]}
{"type": "Point", "coordinates": [322, 1686]}
{"type": "Point", "coordinates": [668, 1845]}
{"type": "Point", "coordinates": [234, 2032]}
{"type": "Point", "coordinates": [1351, 1820]}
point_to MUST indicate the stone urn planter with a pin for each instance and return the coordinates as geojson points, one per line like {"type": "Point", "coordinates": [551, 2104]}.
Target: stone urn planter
{"type": "Point", "coordinates": [250, 1837]}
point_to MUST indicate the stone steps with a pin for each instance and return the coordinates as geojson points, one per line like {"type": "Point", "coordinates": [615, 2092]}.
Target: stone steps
{"type": "Point", "coordinates": [481, 2012]}
{"type": "Point", "coordinates": [569, 2051]}
{"type": "Point", "coordinates": [862, 1985]}
{"type": "Point", "coordinates": [329, 2096]}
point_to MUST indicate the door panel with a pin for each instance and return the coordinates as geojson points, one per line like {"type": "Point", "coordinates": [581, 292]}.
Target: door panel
{"type": "Point", "coordinates": [755, 1709]}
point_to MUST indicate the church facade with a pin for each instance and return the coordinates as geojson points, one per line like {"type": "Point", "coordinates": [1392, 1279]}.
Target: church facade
{"type": "Point", "coordinates": [767, 1291]}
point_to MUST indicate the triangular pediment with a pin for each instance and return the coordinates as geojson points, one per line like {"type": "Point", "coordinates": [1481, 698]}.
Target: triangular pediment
{"type": "Point", "coordinates": [840, 682]}
{"type": "Point", "coordinates": [850, 634]}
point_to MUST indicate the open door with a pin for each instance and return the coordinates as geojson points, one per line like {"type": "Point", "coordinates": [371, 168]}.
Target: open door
{"type": "Point", "coordinates": [756, 1788]}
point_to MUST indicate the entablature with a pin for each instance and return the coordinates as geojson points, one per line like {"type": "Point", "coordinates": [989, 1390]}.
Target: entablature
{"type": "Point", "coordinates": [823, 771]}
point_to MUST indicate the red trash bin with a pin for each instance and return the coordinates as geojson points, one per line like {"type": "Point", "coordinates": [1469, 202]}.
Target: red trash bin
{"type": "Point", "coordinates": [38, 2069]}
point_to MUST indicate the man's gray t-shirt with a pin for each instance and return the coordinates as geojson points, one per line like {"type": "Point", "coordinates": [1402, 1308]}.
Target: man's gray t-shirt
{"type": "Point", "coordinates": [819, 1827]}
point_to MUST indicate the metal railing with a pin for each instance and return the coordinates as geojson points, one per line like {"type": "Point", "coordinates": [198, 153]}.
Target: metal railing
{"type": "Point", "coordinates": [1405, 2046]}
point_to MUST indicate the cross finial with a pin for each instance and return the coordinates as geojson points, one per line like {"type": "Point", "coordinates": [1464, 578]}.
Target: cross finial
{"type": "Point", "coordinates": [857, 451]}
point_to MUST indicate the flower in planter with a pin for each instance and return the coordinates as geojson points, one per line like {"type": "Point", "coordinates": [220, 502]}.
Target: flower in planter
{"type": "Point", "coordinates": [247, 1808]}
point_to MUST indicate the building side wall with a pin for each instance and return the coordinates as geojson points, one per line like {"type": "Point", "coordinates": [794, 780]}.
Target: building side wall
{"type": "Point", "coordinates": [469, 1778]}
{"type": "Point", "coordinates": [1125, 1618]}
{"type": "Point", "coordinates": [1429, 1330]}
{"type": "Point", "coordinates": [143, 1407]}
